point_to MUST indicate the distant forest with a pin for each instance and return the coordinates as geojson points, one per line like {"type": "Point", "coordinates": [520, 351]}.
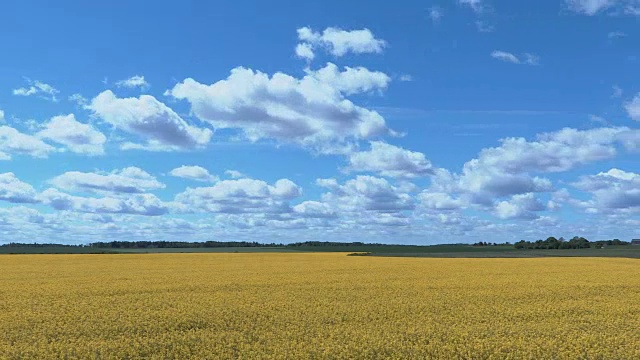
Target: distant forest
{"type": "Point", "coordinates": [575, 243]}
{"type": "Point", "coordinates": [550, 243]}
{"type": "Point", "coordinates": [185, 244]}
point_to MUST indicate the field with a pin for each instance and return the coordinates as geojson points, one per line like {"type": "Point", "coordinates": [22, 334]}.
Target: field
{"type": "Point", "coordinates": [316, 305]}
{"type": "Point", "coordinates": [443, 251]}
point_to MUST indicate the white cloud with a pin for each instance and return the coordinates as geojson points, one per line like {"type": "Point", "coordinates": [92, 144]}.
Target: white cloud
{"type": "Point", "coordinates": [633, 108]}
{"type": "Point", "coordinates": [15, 191]}
{"type": "Point", "coordinates": [1, 115]}
{"type": "Point", "coordinates": [234, 174]}
{"type": "Point", "coordinates": [14, 142]}
{"type": "Point", "coordinates": [505, 56]}
{"type": "Point", "coordinates": [136, 81]}
{"type": "Point", "coordinates": [151, 119]}
{"type": "Point", "coordinates": [552, 152]}
{"type": "Point", "coordinates": [439, 201]}
{"type": "Point", "coordinates": [389, 160]}
{"type": "Point", "coordinates": [594, 7]}
{"type": "Point", "coordinates": [590, 7]}
{"type": "Point", "coordinates": [240, 196]}
{"type": "Point", "coordinates": [340, 42]}
{"type": "Point", "coordinates": [484, 27]}
{"type": "Point", "coordinates": [612, 190]}
{"type": "Point", "coordinates": [510, 169]}
{"type": "Point", "coordinates": [314, 209]}
{"type": "Point", "coordinates": [617, 91]}
{"type": "Point", "coordinates": [79, 138]}
{"type": "Point", "coordinates": [78, 99]}
{"type": "Point", "coordinates": [521, 206]}
{"type": "Point", "coordinates": [475, 5]}
{"type": "Point", "coordinates": [366, 193]}
{"type": "Point", "coordinates": [306, 111]}
{"type": "Point", "coordinates": [616, 35]}
{"type": "Point", "coordinates": [405, 77]}
{"type": "Point", "coordinates": [136, 204]}
{"type": "Point", "coordinates": [129, 180]}
{"type": "Point", "coordinates": [630, 139]}
{"type": "Point", "coordinates": [632, 8]}
{"type": "Point", "coordinates": [530, 59]}
{"type": "Point", "coordinates": [150, 145]}
{"type": "Point", "coordinates": [39, 88]}
{"type": "Point", "coordinates": [525, 59]}
{"type": "Point", "coordinates": [598, 119]}
{"type": "Point", "coordinates": [197, 173]}
{"type": "Point", "coordinates": [485, 185]}
{"type": "Point", "coordinates": [305, 51]}
{"type": "Point", "coordinates": [435, 14]}
{"type": "Point", "coordinates": [352, 80]}
{"type": "Point", "coordinates": [505, 170]}
{"type": "Point", "coordinates": [382, 220]}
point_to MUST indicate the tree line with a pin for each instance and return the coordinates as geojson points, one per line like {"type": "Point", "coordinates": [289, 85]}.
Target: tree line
{"type": "Point", "coordinates": [577, 242]}
{"type": "Point", "coordinates": [550, 243]}
{"type": "Point", "coordinates": [188, 244]}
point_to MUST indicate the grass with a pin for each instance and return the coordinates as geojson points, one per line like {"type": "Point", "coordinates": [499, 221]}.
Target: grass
{"type": "Point", "coordinates": [90, 250]}
{"type": "Point", "coordinates": [436, 251]}
{"type": "Point", "coordinates": [405, 249]}
{"type": "Point", "coordinates": [53, 250]}
{"type": "Point", "coordinates": [611, 251]}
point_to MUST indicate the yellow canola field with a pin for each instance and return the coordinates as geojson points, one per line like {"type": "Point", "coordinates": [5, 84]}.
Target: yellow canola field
{"type": "Point", "coordinates": [316, 306]}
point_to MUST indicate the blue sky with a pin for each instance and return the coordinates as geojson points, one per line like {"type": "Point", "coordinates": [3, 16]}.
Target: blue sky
{"type": "Point", "coordinates": [430, 122]}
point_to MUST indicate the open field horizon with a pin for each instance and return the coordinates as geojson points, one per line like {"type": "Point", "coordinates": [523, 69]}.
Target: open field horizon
{"type": "Point", "coordinates": [444, 251]}
{"type": "Point", "coordinates": [316, 305]}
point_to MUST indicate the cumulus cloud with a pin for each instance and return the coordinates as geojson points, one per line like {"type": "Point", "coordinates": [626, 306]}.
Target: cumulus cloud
{"type": "Point", "coordinates": [38, 88]}
{"type": "Point", "coordinates": [240, 196]}
{"type": "Point", "coordinates": [389, 160]}
{"type": "Point", "coordinates": [352, 80]}
{"type": "Point", "coordinates": [633, 108]}
{"type": "Point", "coordinates": [340, 42]}
{"type": "Point", "coordinates": [552, 152]}
{"type": "Point", "coordinates": [524, 59]}
{"type": "Point", "coordinates": [306, 111]}
{"type": "Point", "coordinates": [197, 173]}
{"type": "Point", "coordinates": [78, 99]}
{"type": "Point", "coordinates": [435, 14]}
{"type": "Point", "coordinates": [234, 174]}
{"type": "Point", "coordinates": [314, 209]}
{"type": "Point", "coordinates": [366, 193]}
{"type": "Point", "coordinates": [13, 141]}
{"type": "Point", "coordinates": [616, 34]}
{"type": "Point", "coordinates": [484, 26]}
{"type": "Point", "coordinates": [14, 190]}
{"type": "Point", "coordinates": [439, 201]}
{"type": "Point", "coordinates": [1, 115]}
{"type": "Point", "coordinates": [617, 91]}
{"type": "Point", "coordinates": [305, 51]}
{"type": "Point", "coordinates": [594, 7]}
{"type": "Point", "coordinates": [614, 189]}
{"type": "Point", "coordinates": [77, 137]}
{"type": "Point", "coordinates": [136, 81]}
{"type": "Point", "coordinates": [506, 166]}
{"type": "Point", "coordinates": [510, 169]}
{"type": "Point", "coordinates": [521, 206]}
{"type": "Point", "coordinates": [136, 204]}
{"type": "Point", "coordinates": [129, 180]}
{"type": "Point", "coordinates": [475, 5]}
{"type": "Point", "coordinates": [150, 119]}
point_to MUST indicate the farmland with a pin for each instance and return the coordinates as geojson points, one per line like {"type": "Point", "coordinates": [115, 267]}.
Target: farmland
{"type": "Point", "coordinates": [316, 305]}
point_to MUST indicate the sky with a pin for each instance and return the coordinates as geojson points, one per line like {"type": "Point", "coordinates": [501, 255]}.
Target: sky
{"type": "Point", "coordinates": [419, 122]}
